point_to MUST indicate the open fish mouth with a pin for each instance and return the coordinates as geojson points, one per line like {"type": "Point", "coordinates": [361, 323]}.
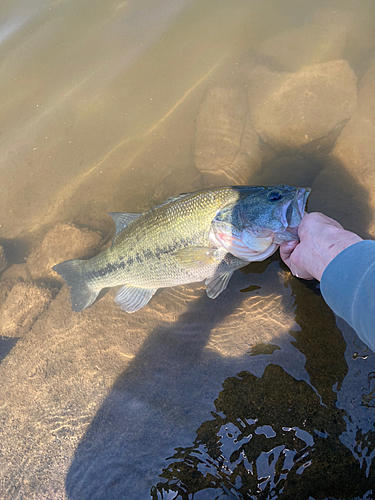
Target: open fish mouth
{"type": "Point", "coordinates": [301, 199]}
{"type": "Point", "coordinates": [296, 210]}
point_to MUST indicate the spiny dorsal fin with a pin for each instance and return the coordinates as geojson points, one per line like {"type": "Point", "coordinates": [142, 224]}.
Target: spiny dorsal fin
{"type": "Point", "coordinates": [122, 219]}
{"type": "Point", "coordinates": [171, 200]}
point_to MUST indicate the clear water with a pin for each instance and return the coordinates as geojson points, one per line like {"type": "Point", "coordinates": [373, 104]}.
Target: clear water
{"type": "Point", "coordinates": [260, 394]}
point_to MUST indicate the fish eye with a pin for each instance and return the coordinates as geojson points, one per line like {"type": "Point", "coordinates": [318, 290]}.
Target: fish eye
{"type": "Point", "coordinates": [274, 195]}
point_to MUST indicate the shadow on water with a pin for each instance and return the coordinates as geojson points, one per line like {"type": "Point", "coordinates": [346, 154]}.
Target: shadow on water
{"type": "Point", "coordinates": [6, 345]}
{"type": "Point", "coordinates": [161, 399]}
{"type": "Point", "coordinates": [276, 428]}
{"type": "Point", "coordinates": [16, 250]}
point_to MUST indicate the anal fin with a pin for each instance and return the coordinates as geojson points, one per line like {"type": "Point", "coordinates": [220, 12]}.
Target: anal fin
{"type": "Point", "coordinates": [131, 298]}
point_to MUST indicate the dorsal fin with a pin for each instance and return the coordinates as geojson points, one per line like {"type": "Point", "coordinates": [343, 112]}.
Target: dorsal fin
{"type": "Point", "coordinates": [122, 220]}
{"type": "Point", "coordinates": [171, 200]}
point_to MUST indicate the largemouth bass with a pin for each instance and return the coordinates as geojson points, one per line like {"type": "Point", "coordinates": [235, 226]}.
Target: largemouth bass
{"type": "Point", "coordinates": [205, 235]}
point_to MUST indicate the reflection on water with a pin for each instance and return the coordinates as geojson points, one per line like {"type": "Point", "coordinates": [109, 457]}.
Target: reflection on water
{"type": "Point", "coordinates": [277, 436]}
{"type": "Point", "coordinates": [115, 106]}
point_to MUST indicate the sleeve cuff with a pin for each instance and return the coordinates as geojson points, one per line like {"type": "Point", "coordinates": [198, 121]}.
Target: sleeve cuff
{"type": "Point", "coordinates": [345, 287]}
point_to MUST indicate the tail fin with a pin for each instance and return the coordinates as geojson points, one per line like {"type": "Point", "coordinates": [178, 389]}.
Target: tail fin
{"type": "Point", "coordinates": [81, 294]}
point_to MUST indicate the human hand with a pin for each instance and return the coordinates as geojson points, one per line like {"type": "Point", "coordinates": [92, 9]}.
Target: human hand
{"type": "Point", "coordinates": [321, 239]}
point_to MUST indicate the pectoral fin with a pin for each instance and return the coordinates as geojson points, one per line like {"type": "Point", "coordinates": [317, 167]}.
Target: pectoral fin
{"type": "Point", "coordinates": [131, 298]}
{"type": "Point", "coordinates": [197, 257]}
{"type": "Point", "coordinates": [217, 284]}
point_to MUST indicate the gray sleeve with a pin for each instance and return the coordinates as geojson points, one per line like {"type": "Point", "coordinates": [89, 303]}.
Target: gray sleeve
{"type": "Point", "coordinates": [348, 287]}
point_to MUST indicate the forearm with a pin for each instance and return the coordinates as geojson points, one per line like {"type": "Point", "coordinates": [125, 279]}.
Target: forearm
{"type": "Point", "coordinates": [348, 287]}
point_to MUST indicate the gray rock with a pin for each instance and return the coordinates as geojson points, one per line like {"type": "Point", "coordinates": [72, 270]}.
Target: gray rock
{"type": "Point", "coordinates": [227, 147]}
{"type": "Point", "coordinates": [289, 110]}
{"type": "Point", "coordinates": [355, 152]}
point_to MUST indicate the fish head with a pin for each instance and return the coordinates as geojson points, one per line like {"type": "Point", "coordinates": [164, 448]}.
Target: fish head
{"type": "Point", "coordinates": [260, 220]}
{"type": "Point", "coordinates": [274, 210]}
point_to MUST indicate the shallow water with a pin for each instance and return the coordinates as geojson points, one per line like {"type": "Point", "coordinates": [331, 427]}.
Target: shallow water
{"type": "Point", "coordinates": [260, 394]}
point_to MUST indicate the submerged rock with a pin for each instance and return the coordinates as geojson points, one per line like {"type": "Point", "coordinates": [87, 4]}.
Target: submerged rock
{"type": "Point", "coordinates": [22, 306]}
{"type": "Point", "coordinates": [353, 157]}
{"type": "Point", "coordinates": [227, 147]}
{"type": "Point", "coordinates": [63, 242]}
{"type": "Point", "coordinates": [354, 151]}
{"type": "Point", "coordinates": [17, 272]}
{"type": "Point", "coordinates": [3, 260]}
{"type": "Point", "coordinates": [5, 288]}
{"type": "Point", "coordinates": [289, 110]}
{"type": "Point", "coordinates": [331, 34]}
{"type": "Point", "coordinates": [366, 93]}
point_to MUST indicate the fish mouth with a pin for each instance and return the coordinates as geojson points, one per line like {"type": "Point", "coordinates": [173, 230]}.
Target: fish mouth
{"type": "Point", "coordinates": [296, 210]}
{"type": "Point", "coordinates": [301, 199]}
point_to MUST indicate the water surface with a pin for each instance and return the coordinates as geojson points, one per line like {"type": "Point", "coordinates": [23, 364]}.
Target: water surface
{"type": "Point", "coordinates": [260, 394]}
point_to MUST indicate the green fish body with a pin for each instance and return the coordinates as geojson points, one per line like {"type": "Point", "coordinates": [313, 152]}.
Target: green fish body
{"type": "Point", "coordinates": [205, 235]}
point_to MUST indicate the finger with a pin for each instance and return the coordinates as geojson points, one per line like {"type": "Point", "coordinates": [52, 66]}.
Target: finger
{"type": "Point", "coordinates": [303, 276]}
{"type": "Point", "coordinates": [299, 272]}
{"type": "Point", "coordinates": [318, 218]}
{"type": "Point", "coordinates": [286, 249]}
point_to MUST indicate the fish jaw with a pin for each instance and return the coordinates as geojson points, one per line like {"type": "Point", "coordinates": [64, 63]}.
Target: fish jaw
{"type": "Point", "coordinates": [291, 216]}
{"type": "Point", "coordinates": [296, 209]}
{"type": "Point", "coordinates": [246, 244]}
